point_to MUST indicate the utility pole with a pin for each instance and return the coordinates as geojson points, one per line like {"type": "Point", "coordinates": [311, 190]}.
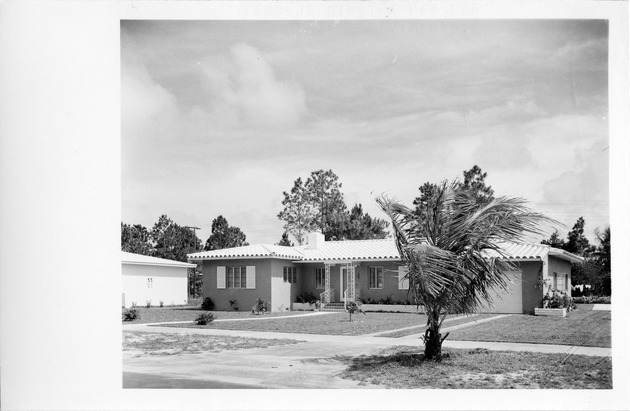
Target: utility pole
{"type": "Point", "coordinates": [194, 283]}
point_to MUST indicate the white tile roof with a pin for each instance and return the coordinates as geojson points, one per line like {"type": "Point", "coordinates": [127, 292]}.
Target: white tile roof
{"type": "Point", "coordinates": [249, 251]}
{"type": "Point", "coordinates": [352, 250]}
{"type": "Point", "coordinates": [362, 250]}
{"type": "Point", "coordinates": [139, 259]}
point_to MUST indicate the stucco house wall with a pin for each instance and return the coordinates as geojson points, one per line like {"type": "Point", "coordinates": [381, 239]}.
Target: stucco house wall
{"type": "Point", "coordinates": [283, 293]}
{"type": "Point", "coordinates": [245, 298]}
{"type": "Point", "coordinates": [142, 283]}
{"type": "Point", "coordinates": [561, 268]}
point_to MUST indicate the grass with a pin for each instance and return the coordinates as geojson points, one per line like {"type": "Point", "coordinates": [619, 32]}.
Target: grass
{"type": "Point", "coordinates": [184, 313]}
{"type": "Point", "coordinates": [401, 368]}
{"type": "Point", "coordinates": [587, 328]}
{"type": "Point", "coordinates": [171, 344]}
{"type": "Point", "coordinates": [453, 322]}
{"type": "Point", "coordinates": [327, 324]}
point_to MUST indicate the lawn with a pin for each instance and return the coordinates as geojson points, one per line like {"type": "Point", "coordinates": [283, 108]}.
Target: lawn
{"type": "Point", "coordinates": [184, 313]}
{"type": "Point", "coordinates": [449, 322]}
{"type": "Point", "coordinates": [586, 328]}
{"type": "Point", "coordinates": [403, 368]}
{"type": "Point", "coordinates": [171, 344]}
{"type": "Point", "coordinates": [328, 324]}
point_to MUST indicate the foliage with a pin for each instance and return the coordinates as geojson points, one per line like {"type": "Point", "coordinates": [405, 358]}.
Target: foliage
{"type": "Point", "coordinates": [135, 239]}
{"type": "Point", "coordinates": [555, 241]}
{"type": "Point", "coordinates": [161, 304]}
{"type": "Point", "coordinates": [474, 182]}
{"type": "Point", "coordinates": [592, 299]}
{"type": "Point", "coordinates": [446, 245]}
{"type": "Point", "coordinates": [130, 315]}
{"type": "Point", "coordinates": [234, 304]}
{"type": "Point", "coordinates": [284, 241]}
{"type": "Point", "coordinates": [577, 243]}
{"type": "Point", "coordinates": [352, 308]}
{"type": "Point", "coordinates": [172, 241]}
{"type": "Point", "coordinates": [356, 225]}
{"type": "Point", "coordinates": [318, 205]}
{"type": "Point", "coordinates": [207, 304]}
{"type": "Point", "coordinates": [306, 298]}
{"type": "Point", "coordinates": [204, 318]}
{"type": "Point", "coordinates": [298, 212]}
{"type": "Point", "coordinates": [260, 307]}
{"type": "Point", "coordinates": [148, 304]}
{"type": "Point", "coordinates": [224, 236]}
{"type": "Point", "coordinates": [558, 299]}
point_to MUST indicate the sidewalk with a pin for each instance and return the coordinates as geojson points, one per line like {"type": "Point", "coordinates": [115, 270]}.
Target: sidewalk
{"type": "Point", "coordinates": [339, 343]}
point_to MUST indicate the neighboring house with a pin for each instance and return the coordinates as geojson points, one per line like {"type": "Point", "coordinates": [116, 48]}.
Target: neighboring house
{"type": "Point", "coordinates": [366, 269]}
{"type": "Point", "coordinates": [153, 279]}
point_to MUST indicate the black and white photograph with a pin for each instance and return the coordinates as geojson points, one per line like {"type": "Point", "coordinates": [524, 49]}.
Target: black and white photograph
{"type": "Point", "coordinates": [387, 199]}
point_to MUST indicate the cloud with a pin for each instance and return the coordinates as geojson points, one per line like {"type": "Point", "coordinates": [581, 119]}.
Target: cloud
{"type": "Point", "coordinates": [243, 86]}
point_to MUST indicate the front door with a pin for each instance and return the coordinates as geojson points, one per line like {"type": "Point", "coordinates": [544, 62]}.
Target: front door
{"type": "Point", "coordinates": [343, 283]}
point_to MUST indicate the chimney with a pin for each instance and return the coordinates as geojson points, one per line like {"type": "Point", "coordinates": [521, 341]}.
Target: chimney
{"type": "Point", "coordinates": [314, 240]}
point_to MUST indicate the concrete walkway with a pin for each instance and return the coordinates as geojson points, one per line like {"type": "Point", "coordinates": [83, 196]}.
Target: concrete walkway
{"type": "Point", "coordinates": [380, 342]}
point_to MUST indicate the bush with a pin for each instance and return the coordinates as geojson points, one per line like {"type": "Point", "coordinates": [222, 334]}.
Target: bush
{"type": "Point", "coordinates": [204, 318]}
{"type": "Point", "coordinates": [161, 304]}
{"type": "Point", "coordinates": [306, 298]}
{"type": "Point", "coordinates": [207, 304]}
{"type": "Point", "coordinates": [558, 299]}
{"type": "Point", "coordinates": [130, 315]}
{"type": "Point", "coordinates": [260, 307]}
{"type": "Point", "coordinates": [148, 303]}
{"type": "Point", "coordinates": [592, 299]}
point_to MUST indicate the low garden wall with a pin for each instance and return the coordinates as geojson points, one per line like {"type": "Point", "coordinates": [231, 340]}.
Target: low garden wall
{"type": "Point", "coordinates": [551, 312]}
{"type": "Point", "coordinates": [366, 307]}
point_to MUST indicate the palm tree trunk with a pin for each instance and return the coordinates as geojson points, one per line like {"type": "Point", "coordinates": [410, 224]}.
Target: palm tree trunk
{"type": "Point", "coordinates": [432, 337]}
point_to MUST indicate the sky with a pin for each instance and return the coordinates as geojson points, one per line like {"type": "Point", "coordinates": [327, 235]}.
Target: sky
{"type": "Point", "coordinates": [220, 117]}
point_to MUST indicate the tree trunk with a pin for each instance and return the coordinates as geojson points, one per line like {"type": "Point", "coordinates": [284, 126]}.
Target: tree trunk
{"type": "Point", "coordinates": [432, 338]}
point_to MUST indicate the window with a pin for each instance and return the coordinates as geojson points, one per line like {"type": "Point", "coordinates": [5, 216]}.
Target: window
{"type": "Point", "coordinates": [320, 278]}
{"type": "Point", "coordinates": [236, 277]}
{"type": "Point", "coordinates": [149, 282]}
{"type": "Point", "coordinates": [376, 277]}
{"type": "Point", "coordinates": [290, 274]}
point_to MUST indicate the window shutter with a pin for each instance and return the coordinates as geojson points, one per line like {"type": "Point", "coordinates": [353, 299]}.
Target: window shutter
{"type": "Point", "coordinates": [403, 283]}
{"type": "Point", "coordinates": [251, 276]}
{"type": "Point", "coordinates": [221, 277]}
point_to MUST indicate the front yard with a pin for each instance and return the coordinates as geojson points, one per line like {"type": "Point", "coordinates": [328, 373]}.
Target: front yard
{"type": "Point", "coordinates": [326, 324]}
{"type": "Point", "coordinates": [580, 327]}
{"type": "Point", "coordinates": [403, 368]}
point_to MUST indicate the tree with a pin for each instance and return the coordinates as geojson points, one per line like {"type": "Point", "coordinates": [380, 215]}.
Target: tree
{"type": "Point", "coordinates": [224, 236]}
{"type": "Point", "coordinates": [284, 241]}
{"type": "Point", "coordinates": [324, 194]}
{"type": "Point", "coordinates": [577, 243]}
{"type": "Point", "coordinates": [446, 250]}
{"type": "Point", "coordinates": [298, 213]}
{"type": "Point", "coordinates": [360, 226]}
{"type": "Point", "coordinates": [172, 241]}
{"type": "Point", "coordinates": [602, 254]}
{"type": "Point", "coordinates": [135, 239]}
{"type": "Point", "coordinates": [475, 181]}
{"type": "Point", "coordinates": [555, 241]}
{"type": "Point", "coordinates": [316, 204]}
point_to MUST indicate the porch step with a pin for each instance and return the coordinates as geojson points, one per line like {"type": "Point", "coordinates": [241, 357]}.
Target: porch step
{"type": "Point", "coordinates": [333, 307]}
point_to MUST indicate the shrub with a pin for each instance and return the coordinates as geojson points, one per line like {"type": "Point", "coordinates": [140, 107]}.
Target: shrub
{"type": "Point", "coordinates": [161, 304]}
{"type": "Point", "coordinates": [148, 303]}
{"type": "Point", "coordinates": [592, 299]}
{"type": "Point", "coordinates": [234, 304]}
{"type": "Point", "coordinates": [260, 307]}
{"type": "Point", "coordinates": [130, 315]}
{"type": "Point", "coordinates": [207, 304]}
{"type": "Point", "coordinates": [204, 318]}
{"type": "Point", "coordinates": [352, 308]}
{"type": "Point", "coordinates": [558, 299]}
{"type": "Point", "coordinates": [306, 298]}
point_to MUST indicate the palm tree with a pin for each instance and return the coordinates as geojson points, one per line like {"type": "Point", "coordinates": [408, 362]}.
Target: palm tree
{"type": "Point", "coordinates": [451, 244]}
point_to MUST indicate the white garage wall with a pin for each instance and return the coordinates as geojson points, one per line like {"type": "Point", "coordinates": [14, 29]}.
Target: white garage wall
{"type": "Point", "coordinates": [169, 284]}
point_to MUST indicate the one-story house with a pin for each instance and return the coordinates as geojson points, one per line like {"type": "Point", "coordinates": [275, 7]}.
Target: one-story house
{"type": "Point", "coordinates": [153, 279]}
{"type": "Point", "coordinates": [369, 270]}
